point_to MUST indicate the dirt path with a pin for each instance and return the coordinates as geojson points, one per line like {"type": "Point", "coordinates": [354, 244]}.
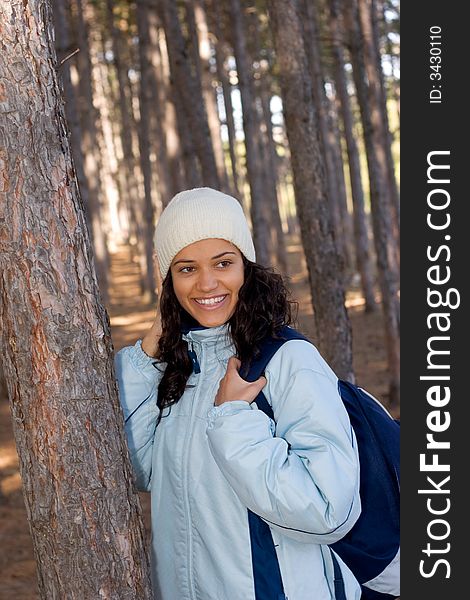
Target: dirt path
{"type": "Point", "coordinates": [129, 319]}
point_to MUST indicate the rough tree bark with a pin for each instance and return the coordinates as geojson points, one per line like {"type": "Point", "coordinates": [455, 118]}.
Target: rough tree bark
{"type": "Point", "coordinates": [56, 346]}
{"type": "Point", "coordinates": [63, 45]}
{"type": "Point", "coordinates": [333, 328]}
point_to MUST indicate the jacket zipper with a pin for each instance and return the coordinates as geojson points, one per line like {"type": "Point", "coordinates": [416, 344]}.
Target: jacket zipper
{"type": "Point", "coordinates": [193, 356]}
{"type": "Point", "coordinates": [197, 369]}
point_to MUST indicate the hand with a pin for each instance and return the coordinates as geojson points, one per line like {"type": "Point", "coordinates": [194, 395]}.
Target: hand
{"type": "Point", "coordinates": [150, 340]}
{"type": "Point", "coordinates": [233, 387]}
{"type": "Point", "coordinates": [158, 276]}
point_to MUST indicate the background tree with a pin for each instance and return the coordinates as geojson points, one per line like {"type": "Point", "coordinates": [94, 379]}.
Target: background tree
{"type": "Point", "coordinates": [382, 214]}
{"type": "Point", "coordinates": [92, 152]}
{"type": "Point", "coordinates": [361, 239]}
{"type": "Point", "coordinates": [259, 205]}
{"type": "Point", "coordinates": [139, 207]}
{"type": "Point", "coordinates": [189, 88]}
{"type": "Point", "coordinates": [310, 25]}
{"type": "Point", "coordinates": [331, 319]}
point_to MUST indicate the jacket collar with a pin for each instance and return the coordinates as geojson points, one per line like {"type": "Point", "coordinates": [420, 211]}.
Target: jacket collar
{"type": "Point", "coordinates": [204, 335]}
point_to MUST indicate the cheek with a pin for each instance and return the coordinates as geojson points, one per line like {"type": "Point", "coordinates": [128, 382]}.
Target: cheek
{"type": "Point", "coordinates": [180, 291]}
{"type": "Point", "coordinates": [237, 283]}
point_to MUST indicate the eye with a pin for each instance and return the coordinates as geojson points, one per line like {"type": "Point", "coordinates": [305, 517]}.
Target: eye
{"type": "Point", "coordinates": [186, 269]}
{"type": "Point", "coordinates": [224, 263]}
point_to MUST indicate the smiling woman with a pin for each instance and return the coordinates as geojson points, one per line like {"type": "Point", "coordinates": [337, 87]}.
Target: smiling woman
{"type": "Point", "coordinates": [207, 277]}
{"type": "Point", "coordinates": [233, 492]}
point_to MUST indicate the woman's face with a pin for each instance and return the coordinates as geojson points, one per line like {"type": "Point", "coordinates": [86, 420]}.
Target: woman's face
{"type": "Point", "coordinates": [207, 277]}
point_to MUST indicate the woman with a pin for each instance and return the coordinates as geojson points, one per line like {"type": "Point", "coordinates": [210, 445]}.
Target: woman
{"type": "Point", "coordinates": [212, 461]}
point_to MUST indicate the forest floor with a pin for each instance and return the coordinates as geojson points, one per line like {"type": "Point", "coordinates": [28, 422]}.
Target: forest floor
{"type": "Point", "coordinates": [129, 320]}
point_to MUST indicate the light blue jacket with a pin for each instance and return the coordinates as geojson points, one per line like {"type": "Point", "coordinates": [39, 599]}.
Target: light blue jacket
{"type": "Point", "coordinates": [205, 465]}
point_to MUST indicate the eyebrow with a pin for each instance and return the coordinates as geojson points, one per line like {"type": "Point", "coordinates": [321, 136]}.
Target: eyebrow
{"type": "Point", "coordinates": [184, 260]}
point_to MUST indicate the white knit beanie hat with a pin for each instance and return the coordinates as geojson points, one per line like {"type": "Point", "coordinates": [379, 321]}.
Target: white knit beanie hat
{"type": "Point", "coordinates": [199, 214]}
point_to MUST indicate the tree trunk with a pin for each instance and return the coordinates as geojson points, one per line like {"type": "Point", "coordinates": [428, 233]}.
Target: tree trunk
{"type": "Point", "coordinates": [335, 137]}
{"type": "Point", "coordinates": [142, 227]}
{"type": "Point", "coordinates": [190, 96]}
{"type": "Point", "coordinates": [220, 56]}
{"type": "Point", "coordinates": [385, 249]}
{"type": "Point", "coordinates": [84, 517]}
{"type": "Point", "coordinates": [375, 15]}
{"type": "Point", "coordinates": [89, 119]}
{"type": "Point", "coordinates": [165, 137]}
{"type": "Point", "coordinates": [112, 95]}
{"type": "Point", "coordinates": [63, 45]}
{"type": "Point", "coordinates": [333, 328]}
{"type": "Point", "coordinates": [112, 175]}
{"type": "Point", "coordinates": [330, 134]}
{"type": "Point", "coordinates": [78, 139]}
{"type": "Point", "coordinates": [391, 23]}
{"type": "Point", "coordinates": [396, 85]}
{"type": "Point", "coordinates": [312, 48]}
{"type": "Point", "coordinates": [267, 147]}
{"type": "Point", "coordinates": [361, 238]}
{"type": "Point", "coordinates": [180, 134]}
{"type": "Point", "coordinates": [192, 42]}
{"type": "Point", "coordinates": [209, 91]}
{"type": "Point", "coordinates": [377, 101]}
{"type": "Point", "coordinates": [272, 160]}
{"type": "Point", "coordinates": [260, 210]}
{"type": "Point", "coordinates": [145, 98]}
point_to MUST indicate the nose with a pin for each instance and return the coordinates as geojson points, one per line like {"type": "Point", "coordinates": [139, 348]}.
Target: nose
{"type": "Point", "coordinates": [207, 280]}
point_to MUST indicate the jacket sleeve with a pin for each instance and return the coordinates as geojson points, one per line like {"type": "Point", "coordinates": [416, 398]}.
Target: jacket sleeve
{"type": "Point", "coordinates": [300, 474]}
{"type": "Point", "coordinates": [138, 378]}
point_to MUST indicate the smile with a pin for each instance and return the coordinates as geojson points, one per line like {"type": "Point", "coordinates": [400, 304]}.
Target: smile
{"type": "Point", "coordinates": [214, 301]}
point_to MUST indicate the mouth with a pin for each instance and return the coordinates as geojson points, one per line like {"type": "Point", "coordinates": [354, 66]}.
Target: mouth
{"type": "Point", "coordinates": [211, 303]}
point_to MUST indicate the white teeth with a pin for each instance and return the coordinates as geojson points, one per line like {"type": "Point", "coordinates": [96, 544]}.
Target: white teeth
{"type": "Point", "coordinates": [210, 301]}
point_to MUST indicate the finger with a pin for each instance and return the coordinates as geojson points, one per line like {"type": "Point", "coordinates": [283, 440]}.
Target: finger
{"type": "Point", "coordinates": [233, 363]}
{"type": "Point", "coordinates": [261, 382]}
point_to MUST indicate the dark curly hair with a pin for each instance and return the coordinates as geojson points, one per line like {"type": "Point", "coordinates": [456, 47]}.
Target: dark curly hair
{"type": "Point", "coordinates": [263, 308]}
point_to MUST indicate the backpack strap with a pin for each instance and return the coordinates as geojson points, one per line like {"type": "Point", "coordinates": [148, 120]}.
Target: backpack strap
{"type": "Point", "coordinates": [268, 349]}
{"type": "Point", "coordinates": [340, 592]}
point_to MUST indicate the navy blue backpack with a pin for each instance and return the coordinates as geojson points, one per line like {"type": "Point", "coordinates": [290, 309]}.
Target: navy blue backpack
{"type": "Point", "coordinates": [371, 548]}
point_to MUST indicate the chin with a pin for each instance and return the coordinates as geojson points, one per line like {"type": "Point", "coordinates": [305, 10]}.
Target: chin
{"type": "Point", "coordinates": [211, 320]}
{"type": "Point", "coordinates": [205, 322]}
